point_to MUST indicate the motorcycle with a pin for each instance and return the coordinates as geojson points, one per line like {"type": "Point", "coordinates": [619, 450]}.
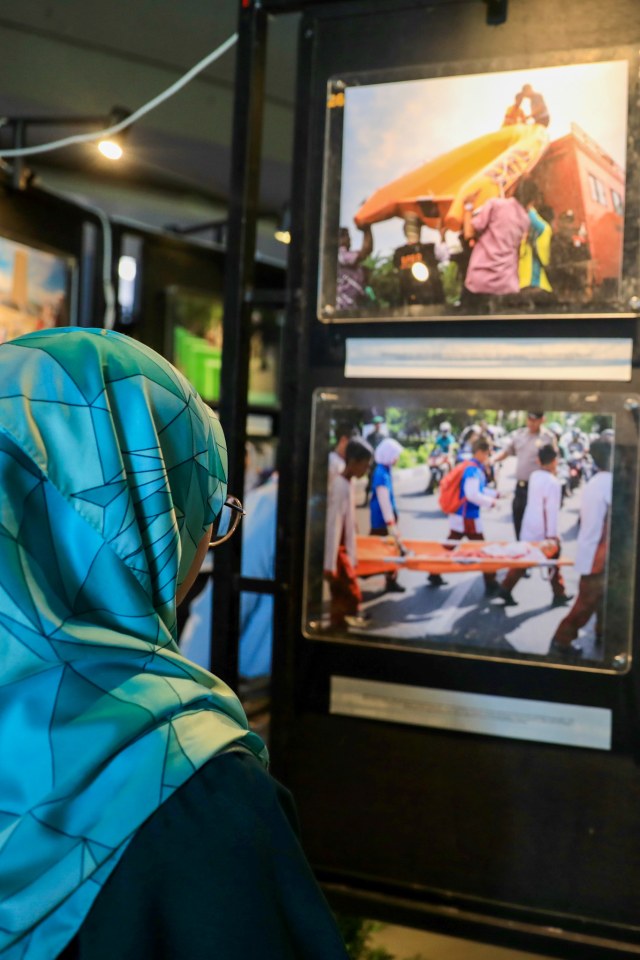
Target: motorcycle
{"type": "Point", "coordinates": [439, 465]}
{"type": "Point", "coordinates": [562, 473]}
{"type": "Point", "coordinates": [578, 467]}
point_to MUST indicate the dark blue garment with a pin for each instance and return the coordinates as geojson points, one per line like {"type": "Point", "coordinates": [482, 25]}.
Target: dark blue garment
{"type": "Point", "coordinates": [216, 873]}
{"type": "Point", "coordinates": [381, 477]}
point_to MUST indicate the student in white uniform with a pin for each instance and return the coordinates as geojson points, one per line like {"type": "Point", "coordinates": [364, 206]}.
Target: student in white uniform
{"type": "Point", "coordinates": [344, 433]}
{"type": "Point", "coordinates": [591, 555]}
{"type": "Point", "coordinates": [340, 558]}
{"type": "Point", "coordinates": [540, 522]}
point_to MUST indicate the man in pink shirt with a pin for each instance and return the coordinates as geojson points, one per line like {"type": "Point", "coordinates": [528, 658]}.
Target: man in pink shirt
{"type": "Point", "coordinates": [498, 228]}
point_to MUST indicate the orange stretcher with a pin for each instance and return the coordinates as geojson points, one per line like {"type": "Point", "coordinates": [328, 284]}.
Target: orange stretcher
{"type": "Point", "coordinates": [381, 554]}
{"type": "Point", "coordinates": [486, 167]}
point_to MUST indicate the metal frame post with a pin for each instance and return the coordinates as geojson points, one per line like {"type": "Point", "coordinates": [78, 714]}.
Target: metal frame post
{"type": "Point", "coordinates": [239, 272]}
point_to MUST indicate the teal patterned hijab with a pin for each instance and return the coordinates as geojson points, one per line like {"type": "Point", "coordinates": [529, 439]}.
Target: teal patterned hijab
{"type": "Point", "coordinates": [111, 469]}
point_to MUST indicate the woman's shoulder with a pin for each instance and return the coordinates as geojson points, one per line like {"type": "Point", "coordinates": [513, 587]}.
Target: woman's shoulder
{"type": "Point", "coordinates": [223, 847]}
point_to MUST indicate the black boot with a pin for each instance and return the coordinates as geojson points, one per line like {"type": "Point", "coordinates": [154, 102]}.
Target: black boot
{"type": "Point", "coordinates": [435, 580]}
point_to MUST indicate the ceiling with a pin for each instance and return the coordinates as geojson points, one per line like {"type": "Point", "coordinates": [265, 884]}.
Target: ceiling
{"type": "Point", "coordinates": [69, 57]}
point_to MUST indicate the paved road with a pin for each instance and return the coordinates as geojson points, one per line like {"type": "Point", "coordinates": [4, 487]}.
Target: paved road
{"type": "Point", "coordinates": [458, 614]}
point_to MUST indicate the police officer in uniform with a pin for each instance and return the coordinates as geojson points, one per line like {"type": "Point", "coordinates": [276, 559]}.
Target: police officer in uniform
{"type": "Point", "coordinates": [523, 444]}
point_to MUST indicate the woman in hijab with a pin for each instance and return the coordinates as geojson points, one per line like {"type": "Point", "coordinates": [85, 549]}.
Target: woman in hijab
{"type": "Point", "coordinates": [137, 819]}
{"type": "Point", "coordinates": [384, 514]}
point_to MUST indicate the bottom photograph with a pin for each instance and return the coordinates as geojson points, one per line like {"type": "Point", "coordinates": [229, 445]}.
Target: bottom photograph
{"type": "Point", "coordinates": [484, 524]}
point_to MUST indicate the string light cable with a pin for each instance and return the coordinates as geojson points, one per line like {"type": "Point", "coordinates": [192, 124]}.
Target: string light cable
{"type": "Point", "coordinates": [107, 283]}
{"type": "Point", "coordinates": [132, 118]}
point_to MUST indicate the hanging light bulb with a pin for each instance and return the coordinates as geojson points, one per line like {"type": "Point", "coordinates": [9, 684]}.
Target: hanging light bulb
{"type": "Point", "coordinates": [110, 149]}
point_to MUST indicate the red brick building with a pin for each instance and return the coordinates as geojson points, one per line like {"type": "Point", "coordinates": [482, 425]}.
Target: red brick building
{"type": "Point", "coordinates": [576, 175]}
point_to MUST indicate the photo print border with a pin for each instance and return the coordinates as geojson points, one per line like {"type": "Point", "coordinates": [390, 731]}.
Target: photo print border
{"type": "Point", "coordinates": [410, 181]}
{"type": "Point", "coordinates": [460, 618]}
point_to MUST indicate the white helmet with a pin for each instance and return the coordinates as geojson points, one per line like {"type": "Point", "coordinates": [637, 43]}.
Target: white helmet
{"type": "Point", "coordinates": [445, 427]}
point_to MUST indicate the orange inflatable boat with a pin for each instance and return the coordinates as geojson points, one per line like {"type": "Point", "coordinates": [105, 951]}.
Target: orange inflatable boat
{"type": "Point", "coordinates": [486, 167]}
{"type": "Point", "coordinates": [381, 554]}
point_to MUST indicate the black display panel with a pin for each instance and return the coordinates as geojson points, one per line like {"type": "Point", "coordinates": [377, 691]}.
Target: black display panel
{"type": "Point", "coordinates": [520, 840]}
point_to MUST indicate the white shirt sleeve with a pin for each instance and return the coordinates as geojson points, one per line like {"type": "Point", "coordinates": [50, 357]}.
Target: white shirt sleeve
{"type": "Point", "coordinates": [473, 495]}
{"type": "Point", "coordinates": [385, 505]}
{"type": "Point", "coordinates": [552, 509]}
{"type": "Point", "coordinates": [596, 500]}
{"type": "Point", "coordinates": [336, 465]}
{"type": "Point", "coordinates": [335, 522]}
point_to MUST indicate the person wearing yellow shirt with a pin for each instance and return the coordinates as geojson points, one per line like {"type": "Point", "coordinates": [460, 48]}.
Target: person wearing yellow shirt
{"type": "Point", "coordinates": [535, 250]}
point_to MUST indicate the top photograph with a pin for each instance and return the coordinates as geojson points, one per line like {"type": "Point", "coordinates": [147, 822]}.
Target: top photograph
{"type": "Point", "coordinates": [497, 193]}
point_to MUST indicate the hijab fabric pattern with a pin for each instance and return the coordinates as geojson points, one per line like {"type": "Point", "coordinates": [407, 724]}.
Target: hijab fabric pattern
{"type": "Point", "coordinates": [111, 469]}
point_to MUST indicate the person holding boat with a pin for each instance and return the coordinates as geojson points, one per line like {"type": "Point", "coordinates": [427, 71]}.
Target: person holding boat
{"type": "Point", "coordinates": [496, 229]}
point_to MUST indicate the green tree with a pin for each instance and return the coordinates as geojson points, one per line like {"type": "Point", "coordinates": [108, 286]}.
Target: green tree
{"type": "Point", "coordinates": [383, 280]}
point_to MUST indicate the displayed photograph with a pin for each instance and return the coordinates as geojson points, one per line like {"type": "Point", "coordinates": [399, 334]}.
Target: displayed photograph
{"type": "Point", "coordinates": [488, 531]}
{"type": "Point", "coordinates": [194, 344]}
{"type": "Point", "coordinates": [35, 289]}
{"type": "Point", "coordinates": [484, 193]}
